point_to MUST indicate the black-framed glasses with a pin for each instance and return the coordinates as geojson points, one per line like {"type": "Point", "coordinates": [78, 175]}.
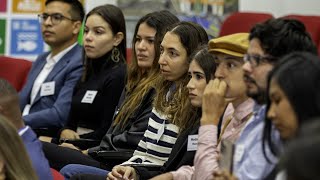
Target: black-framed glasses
{"type": "Point", "coordinates": [55, 18]}
{"type": "Point", "coordinates": [255, 60]}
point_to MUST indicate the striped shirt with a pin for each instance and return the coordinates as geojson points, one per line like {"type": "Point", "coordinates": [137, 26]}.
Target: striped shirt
{"type": "Point", "coordinates": [157, 143]}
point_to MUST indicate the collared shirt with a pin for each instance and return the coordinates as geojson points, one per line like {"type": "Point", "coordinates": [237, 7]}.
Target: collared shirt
{"type": "Point", "coordinates": [21, 131]}
{"type": "Point", "coordinates": [240, 116]}
{"type": "Point", "coordinates": [51, 62]}
{"type": "Point", "coordinates": [249, 160]}
{"type": "Point", "coordinates": [206, 159]}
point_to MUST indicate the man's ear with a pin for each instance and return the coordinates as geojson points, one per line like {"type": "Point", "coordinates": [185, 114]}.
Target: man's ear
{"type": "Point", "coordinates": [76, 27]}
{"type": "Point", "coordinates": [118, 38]}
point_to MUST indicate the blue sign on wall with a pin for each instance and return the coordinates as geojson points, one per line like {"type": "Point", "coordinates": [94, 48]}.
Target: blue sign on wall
{"type": "Point", "coordinates": [26, 37]}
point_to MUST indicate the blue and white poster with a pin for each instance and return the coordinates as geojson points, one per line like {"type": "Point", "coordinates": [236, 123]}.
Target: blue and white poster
{"type": "Point", "coordinates": [26, 37]}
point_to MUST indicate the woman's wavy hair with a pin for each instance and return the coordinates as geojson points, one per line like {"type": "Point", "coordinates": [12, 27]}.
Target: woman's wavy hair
{"type": "Point", "coordinates": [12, 152]}
{"type": "Point", "coordinates": [115, 18]}
{"type": "Point", "coordinates": [179, 109]}
{"type": "Point", "coordinates": [140, 82]}
{"type": "Point", "coordinates": [298, 76]}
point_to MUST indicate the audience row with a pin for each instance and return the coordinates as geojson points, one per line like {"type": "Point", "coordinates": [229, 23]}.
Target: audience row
{"type": "Point", "coordinates": [175, 112]}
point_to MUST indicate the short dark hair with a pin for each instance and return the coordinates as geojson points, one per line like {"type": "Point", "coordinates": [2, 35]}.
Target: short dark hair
{"type": "Point", "coordinates": [298, 76]}
{"type": "Point", "coordinates": [205, 60]}
{"type": "Point", "coordinates": [280, 36]}
{"type": "Point", "coordinates": [76, 10]}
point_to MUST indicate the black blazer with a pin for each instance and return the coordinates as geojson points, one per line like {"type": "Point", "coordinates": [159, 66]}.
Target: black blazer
{"type": "Point", "coordinates": [127, 139]}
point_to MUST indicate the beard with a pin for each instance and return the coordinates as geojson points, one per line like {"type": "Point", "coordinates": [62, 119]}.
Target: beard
{"type": "Point", "coordinates": [259, 94]}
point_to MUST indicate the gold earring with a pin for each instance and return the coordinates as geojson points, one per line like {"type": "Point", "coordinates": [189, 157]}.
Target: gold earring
{"type": "Point", "coordinates": [115, 54]}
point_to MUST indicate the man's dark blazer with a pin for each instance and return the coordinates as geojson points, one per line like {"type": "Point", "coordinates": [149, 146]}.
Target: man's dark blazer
{"type": "Point", "coordinates": [53, 110]}
{"type": "Point", "coordinates": [36, 155]}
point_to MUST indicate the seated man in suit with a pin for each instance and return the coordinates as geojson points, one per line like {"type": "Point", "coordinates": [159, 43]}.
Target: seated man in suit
{"type": "Point", "coordinates": [45, 99]}
{"type": "Point", "coordinates": [9, 108]}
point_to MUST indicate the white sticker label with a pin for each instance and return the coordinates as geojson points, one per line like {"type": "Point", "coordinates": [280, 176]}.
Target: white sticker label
{"type": "Point", "coordinates": [47, 88]}
{"type": "Point", "coordinates": [239, 152]}
{"type": "Point", "coordinates": [192, 142]}
{"type": "Point", "coordinates": [89, 97]}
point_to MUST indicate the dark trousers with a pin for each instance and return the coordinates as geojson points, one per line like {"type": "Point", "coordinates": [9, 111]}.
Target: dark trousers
{"type": "Point", "coordinates": [59, 156]}
{"type": "Point", "coordinates": [87, 177]}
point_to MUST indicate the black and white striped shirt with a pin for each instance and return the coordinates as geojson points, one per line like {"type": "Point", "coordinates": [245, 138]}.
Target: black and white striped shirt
{"type": "Point", "coordinates": [157, 143]}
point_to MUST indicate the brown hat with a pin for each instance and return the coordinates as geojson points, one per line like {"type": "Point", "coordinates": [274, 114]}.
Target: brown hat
{"type": "Point", "coordinates": [234, 44]}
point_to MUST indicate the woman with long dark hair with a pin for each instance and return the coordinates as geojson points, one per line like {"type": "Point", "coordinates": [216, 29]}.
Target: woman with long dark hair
{"type": "Point", "coordinates": [294, 99]}
{"type": "Point", "coordinates": [97, 93]}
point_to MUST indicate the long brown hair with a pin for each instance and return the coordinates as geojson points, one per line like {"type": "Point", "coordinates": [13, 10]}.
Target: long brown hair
{"type": "Point", "coordinates": [179, 109]}
{"type": "Point", "coordinates": [13, 153]}
{"type": "Point", "coordinates": [139, 83]}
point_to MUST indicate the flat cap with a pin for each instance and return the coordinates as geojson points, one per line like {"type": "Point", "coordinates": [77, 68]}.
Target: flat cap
{"type": "Point", "coordinates": [234, 44]}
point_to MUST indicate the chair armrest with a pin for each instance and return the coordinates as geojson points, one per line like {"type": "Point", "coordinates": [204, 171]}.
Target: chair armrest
{"type": "Point", "coordinates": [111, 157]}
{"type": "Point", "coordinates": [150, 167]}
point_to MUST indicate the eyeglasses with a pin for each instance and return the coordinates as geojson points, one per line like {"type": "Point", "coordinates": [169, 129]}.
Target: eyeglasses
{"type": "Point", "coordinates": [55, 18]}
{"type": "Point", "coordinates": [255, 60]}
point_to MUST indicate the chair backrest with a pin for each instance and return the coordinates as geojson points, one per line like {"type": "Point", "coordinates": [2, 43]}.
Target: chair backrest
{"type": "Point", "coordinates": [319, 49]}
{"type": "Point", "coordinates": [14, 70]}
{"type": "Point", "coordinates": [242, 22]}
{"type": "Point", "coordinates": [129, 54]}
{"type": "Point", "coordinates": [56, 175]}
{"type": "Point", "coordinates": [312, 24]}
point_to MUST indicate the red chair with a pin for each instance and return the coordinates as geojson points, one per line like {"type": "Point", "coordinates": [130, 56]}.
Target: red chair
{"type": "Point", "coordinates": [312, 24]}
{"type": "Point", "coordinates": [129, 54]}
{"type": "Point", "coordinates": [56, 175]}
{"type": "Point", "coordinates": [242, 22]}
{"type": "Point", "coordinates": [14, 70]}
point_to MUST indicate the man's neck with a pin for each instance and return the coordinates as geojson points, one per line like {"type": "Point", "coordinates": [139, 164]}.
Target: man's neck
{"type": "Point", "coordinates": [239, 101]}
{"type": "Point", "coordinates": [56, 49]}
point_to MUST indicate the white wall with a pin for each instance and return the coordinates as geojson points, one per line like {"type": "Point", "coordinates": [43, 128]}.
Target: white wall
{"type": "Point", "coordinates": [281, 7]}
{"type": "Point", "coordinates": [90, 4]}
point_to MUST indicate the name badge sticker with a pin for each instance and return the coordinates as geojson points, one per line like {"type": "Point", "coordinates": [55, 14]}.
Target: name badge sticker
{"type": "Point", "coordinates": [192, 142]}
{"type": "Point", "coordinates": [47, 88]}
{"type": "Point", "coordinates": [89, 97]}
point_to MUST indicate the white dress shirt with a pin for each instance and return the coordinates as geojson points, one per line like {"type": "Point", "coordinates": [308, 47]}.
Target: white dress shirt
{"type": "Point", "coordinates": [51, 62]}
